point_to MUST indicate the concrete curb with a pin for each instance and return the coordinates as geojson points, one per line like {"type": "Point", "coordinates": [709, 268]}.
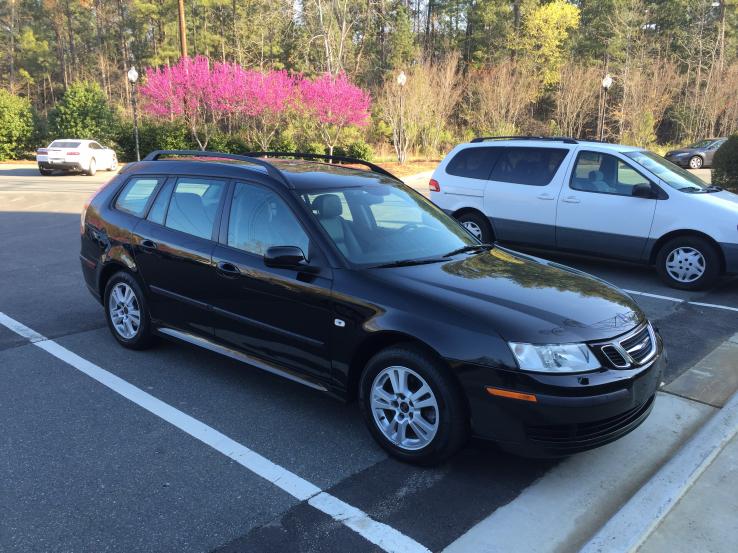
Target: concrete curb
{"type": "Point", "coordinates": [629, 528]}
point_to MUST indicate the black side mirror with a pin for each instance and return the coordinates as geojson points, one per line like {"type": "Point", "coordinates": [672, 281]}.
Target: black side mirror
{"type": "Point", "coordinates": [643, 191]}
{"type": "Point", "coordinates": [285, 257]}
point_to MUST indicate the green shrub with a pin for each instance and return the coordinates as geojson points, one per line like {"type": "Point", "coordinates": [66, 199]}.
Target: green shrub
{"type": "Point", "coordinates": [725, 165]}
{"type": "Point", "coordinates": [152, 136]}
{"type": "Point", "coordinates": [16, 125]}
{"type": "Point", "coordinates": [360, 150]}
{"type": "Point", "coordinates": [84, 112]}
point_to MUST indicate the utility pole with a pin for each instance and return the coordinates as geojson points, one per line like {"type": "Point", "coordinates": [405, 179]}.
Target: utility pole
{"type": "Point", "coordinates": [182, 30]}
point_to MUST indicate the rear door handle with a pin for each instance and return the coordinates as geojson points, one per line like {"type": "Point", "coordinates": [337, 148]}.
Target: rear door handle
{"type": "Point", "coordinates": [227, 269]}
{"type": "Point", "coordinates": [545, 196]}
{"type": "Point", "coordinates": [148, 244]}
{"type": "Point", "coordinates": [571, 200]}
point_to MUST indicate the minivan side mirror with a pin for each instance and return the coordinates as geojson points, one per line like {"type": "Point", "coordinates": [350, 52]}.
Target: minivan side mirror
{"type": "Point", "coordinates": [285, 257]}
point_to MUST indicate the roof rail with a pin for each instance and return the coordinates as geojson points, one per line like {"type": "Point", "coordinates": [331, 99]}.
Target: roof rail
{"type": "Point", "coordinates": [564, 139]}
{"type": "Point", "coordinates": [344, 159]}
{"type": "Point", "coordinates": [272, 171]}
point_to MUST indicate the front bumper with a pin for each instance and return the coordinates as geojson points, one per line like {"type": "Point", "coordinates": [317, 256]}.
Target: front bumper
{"type": "Point", "coordinates": [572, 413]}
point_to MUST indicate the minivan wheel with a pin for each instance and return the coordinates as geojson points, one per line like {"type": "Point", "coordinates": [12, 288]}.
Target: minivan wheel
{"type": "Point", "coordinates": [688, 263]}
{"type": "Point", "coordinates": [695, 162]}
{"type": "Point", "coordinates": [413, 408]}
{"type": "Point", "coordinates": [477, 224]}
{"type": "Point", "coordinates": [127, 312]}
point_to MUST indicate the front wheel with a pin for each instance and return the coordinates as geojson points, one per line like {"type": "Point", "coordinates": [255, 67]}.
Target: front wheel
{"type": "Point", "coordinates": [477, 224]}
{"type": "Point", "coordinates": [696, 162]}
{"type": "Point", "coordinates": [127, 312]}
{"type": "Point", "coordinates": [413, 408]}
{"type": "Point", "coordinates": [688, 263]}
{"type": "Point", "coordinates": [113, 163]}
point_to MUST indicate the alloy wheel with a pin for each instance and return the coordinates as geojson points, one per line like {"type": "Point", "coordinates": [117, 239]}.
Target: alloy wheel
{"type": "Point", "coordinates": [472, 227]}
{"type": "Point", "coordinates": [685, 264]}
{"type": "Point", "coordinates": [695, 162]}
{"type": "Point", "coordinates": [125, 312]}
{"type": "Point", "coordinates": [404, 408]}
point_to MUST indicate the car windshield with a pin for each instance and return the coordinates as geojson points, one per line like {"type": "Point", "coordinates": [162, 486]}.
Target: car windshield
{"type": "Point", "coordinates": [381, 224]}
{"type": "Point", "coordinates": [671, 174]}
{"type": "Point", "coordinates": [64, 144]}
{"type": "Point", "coordinates": [701, 144]}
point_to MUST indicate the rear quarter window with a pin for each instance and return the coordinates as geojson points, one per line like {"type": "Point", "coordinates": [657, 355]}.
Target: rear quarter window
{"type": "Point", "coordinates": [135, 195]}
{"type": "Point", "coordinates": [473, 163]}
{"type": "Point", "coordinates": [531, 166]}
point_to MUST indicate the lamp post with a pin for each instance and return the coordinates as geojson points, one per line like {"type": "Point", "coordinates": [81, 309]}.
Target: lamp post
{"type": "Point", "coordinates": [401, 80]}
{"type": "Point", "coordinates": [133, 77]}
{"type": "Point", "coordinates": [606, 84]}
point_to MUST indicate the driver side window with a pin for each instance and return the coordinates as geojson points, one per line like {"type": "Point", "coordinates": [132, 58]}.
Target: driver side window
{"type": "Point", "coordinates": [605, 174]}
{"type": "Point", "coordinates": [260, 219]}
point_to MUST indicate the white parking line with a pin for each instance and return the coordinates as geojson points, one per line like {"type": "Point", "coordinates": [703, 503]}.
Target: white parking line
{"type": "Point", "coordinates": [679, 300]}
{"type": "Point", "coordinates": [378, 533]}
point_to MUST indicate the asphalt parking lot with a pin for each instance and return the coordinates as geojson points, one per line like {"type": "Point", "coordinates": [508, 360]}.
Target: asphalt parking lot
{"type": "Point", "coordinates": [93, 464]}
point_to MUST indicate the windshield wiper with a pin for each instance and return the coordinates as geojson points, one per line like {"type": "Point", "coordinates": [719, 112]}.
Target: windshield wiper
{"type": "Point", "coordinates": [471, 248]}
{"type": "Point", "coordinates": [408, 262]}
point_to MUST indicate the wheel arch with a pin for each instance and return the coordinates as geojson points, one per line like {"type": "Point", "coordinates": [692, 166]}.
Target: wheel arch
{"type": "Point", "coordinates": [462, 210]}
{"type": "Point", "coordinates": [685, 232]}
{"type": "Point", "coordinates": [108, 270]}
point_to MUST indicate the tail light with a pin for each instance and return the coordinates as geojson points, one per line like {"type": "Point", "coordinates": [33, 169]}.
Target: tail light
{"type": "Point", "coordinates": [434, 186]}
{"type": "Point", "coordinates": [72, 153]}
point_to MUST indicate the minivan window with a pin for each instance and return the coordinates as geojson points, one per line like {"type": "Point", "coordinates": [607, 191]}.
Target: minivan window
{"type": "Point", "coordinates": [671, 174]}
{"type": "Point", "coordinates": [532, 166]}
{"type": "Point", "coordinates": [135, 195]}
{"type": "Point", "coordinates": [473, 163]}
{"type": "Point", "coordinates": [194, 206]}
{"type": "Point", "coordinates": [605, 174]}
{"type": "Point", "coordinates": [260, 219]}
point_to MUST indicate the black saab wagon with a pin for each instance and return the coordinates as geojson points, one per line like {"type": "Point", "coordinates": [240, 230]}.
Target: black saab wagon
{"type": "Point", "coordinates": [351, 283]}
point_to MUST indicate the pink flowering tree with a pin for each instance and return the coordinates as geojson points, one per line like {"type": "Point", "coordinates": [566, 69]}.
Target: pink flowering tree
{"type": "Point", "coordinates": [269, 98]}
{"type": "Point", "coordinates": [334, 103]}
{"type": "Point", "coordinates": [199, 93]}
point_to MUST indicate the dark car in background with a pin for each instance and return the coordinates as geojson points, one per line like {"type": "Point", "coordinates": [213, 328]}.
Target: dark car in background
{"type": "Point", "coordinates": [353, 284]}
{"type": "Point", "coordinates": [698, 155]}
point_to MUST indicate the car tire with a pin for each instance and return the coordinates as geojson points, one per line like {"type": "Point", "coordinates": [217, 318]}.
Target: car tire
{"type": "Point", "coordinates": [688, 263]}
{"type": "Point", "coordinates": [45, 172]}
{"type": "Point", "coordinates": [696, 162]}
{"type": "Point", "coordinates": [444, 414]}
{"type": "Point", "coordinates": [92, 168]}
{"type": "Point", "coordinates": [477, 224]}
{"type": "Point", "coordinates": [114, 164]}
{"type": "Point", "coordinates": [120, 311]}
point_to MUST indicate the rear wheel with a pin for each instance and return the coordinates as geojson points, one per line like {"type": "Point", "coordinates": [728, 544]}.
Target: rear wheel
{"type": "Point", "coordinates": [477, 224]}
{"type": "Point", "coordinates": [696, 162]}
{"type": "Point", "coordinates": [127, 312]}
{"type": "Point", "coordinates": [92, 169]}
{"type": "Point", "coordinates": [44, 172]}
{"type": "Point", "coordinates": [688, 263]}
{"type": "Point", "coordinates": [413, 408]}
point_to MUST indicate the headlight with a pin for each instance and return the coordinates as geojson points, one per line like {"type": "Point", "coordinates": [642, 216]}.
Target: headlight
{"type": "Point", "coordinates": [554, 358]}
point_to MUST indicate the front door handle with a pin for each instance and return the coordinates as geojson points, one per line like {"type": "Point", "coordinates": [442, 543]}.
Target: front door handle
{"type": "Point", "coordinates": [227, 269]}
{"type": "Point", "coordinates": [148, 244]}
{"type": "Point", "coordinates": [545, 196]}
{"type": "Point", "coordinates": [571, 200]}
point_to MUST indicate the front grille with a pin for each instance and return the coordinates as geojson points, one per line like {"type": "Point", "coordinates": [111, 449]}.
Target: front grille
{"type": "Point", "coordinates": [572, 437]}
{"type": "Point", "coordinates": [634, 349]}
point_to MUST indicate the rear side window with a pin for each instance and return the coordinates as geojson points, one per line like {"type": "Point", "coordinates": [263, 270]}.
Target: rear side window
{"type": "Point", "coordinates": [532, 166]}
{"type": "Point", "coordinates": [194, 206]}
{"type": "Point", "coordinates": [135, 195]}
{"type": "Point", "coordinates": [473, 163]}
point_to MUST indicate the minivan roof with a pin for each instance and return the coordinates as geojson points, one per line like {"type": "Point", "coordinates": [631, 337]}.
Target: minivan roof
{"type": "Point", "coordinates": [534, 142]}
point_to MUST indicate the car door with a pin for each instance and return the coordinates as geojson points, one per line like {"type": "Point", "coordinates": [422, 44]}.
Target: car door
{"type": "Point", "coordinates": [520, 197]}
{"type": "Point", "coordinates": [173, 248]}
{"type": "Point", "coordinates": [606, 208]}
{"type": "Point", "coordinates": [101, 155]}
{"type": "Point", "coordinates": [275, 314]}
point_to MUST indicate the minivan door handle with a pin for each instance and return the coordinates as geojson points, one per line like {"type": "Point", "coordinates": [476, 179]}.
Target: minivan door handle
{"type": "Point", "coordinates": [227, 269]}
{"type": "Point", "coordinates": [571, 200]}
{"type": "Point", "coordinates": [148, 244]}
{"type": "Point", "coordinates": [545, 196]}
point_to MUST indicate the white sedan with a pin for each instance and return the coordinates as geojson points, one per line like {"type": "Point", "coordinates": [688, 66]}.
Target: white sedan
{"type": "Point", "coordinates": [71, 154]}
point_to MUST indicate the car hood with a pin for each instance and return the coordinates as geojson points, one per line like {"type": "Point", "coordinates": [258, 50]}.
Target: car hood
{"type": "Point", "coordinates": [723, 199]}
{"type": "Point", "coordinates": [521, 298]}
